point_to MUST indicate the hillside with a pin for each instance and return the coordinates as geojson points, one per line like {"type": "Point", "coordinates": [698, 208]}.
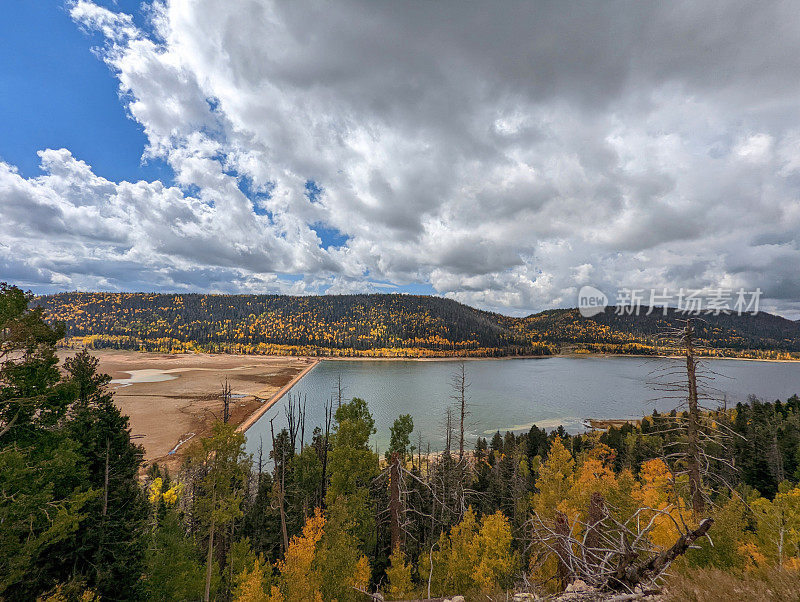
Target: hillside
{"type": "Point", "coordinates": [763, 335]}
{"type": "Point", "coordinates": [388, 325]}
{"type": "Point", "coordinates": [333, 324]}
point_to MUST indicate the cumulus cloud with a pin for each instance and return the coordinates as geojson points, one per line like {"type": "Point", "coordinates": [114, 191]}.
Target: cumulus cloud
{"type": "Point", "coordinates": [504, 156]}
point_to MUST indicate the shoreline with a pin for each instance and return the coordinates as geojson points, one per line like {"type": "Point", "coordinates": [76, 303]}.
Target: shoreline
{"type": "Point", "coordinates": [243, 426]}
{"type": "Point", "coordinates": [457, 358]}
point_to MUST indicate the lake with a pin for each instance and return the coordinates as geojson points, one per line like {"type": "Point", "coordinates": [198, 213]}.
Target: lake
{"type": "Point", "coordinates": [513, 394]}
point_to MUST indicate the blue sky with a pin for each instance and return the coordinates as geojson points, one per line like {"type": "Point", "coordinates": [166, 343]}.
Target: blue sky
{"type": "Point", "coordinates": [54, 93]}
{"type": "Point", "coordinates": [501, 158]}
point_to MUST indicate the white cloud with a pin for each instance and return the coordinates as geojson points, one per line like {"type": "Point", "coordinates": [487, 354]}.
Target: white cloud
{"type": "Point", "coordinates": [504, 156]}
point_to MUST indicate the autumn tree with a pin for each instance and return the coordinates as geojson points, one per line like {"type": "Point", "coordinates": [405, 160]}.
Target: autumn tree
{"type": "Point", "coordinates": [399, 577]}
{"type": "Point", "coordinates": [475, 556]}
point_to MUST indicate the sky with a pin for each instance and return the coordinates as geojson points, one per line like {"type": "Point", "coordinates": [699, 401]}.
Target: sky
{"type": "Point", "coordinates": [500, 154]}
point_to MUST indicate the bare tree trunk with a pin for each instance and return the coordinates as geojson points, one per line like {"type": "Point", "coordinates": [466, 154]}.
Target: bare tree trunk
{"type": "Point", "coordinates": [460, 386]}
{"type": "Point", "coordinates": [693, 448]}
{"type": "Point", "coordinates": [629, 575]}
{"type": "Point", "coordinates": [226, 401]}
{"type": "Point", "coordinates": [394, 502]}
{"type": "Point", "coordinates": [323, 478]}
{"type": "Point", "coordinates": [303, 423]}
{"type": "Point", "coordinates": [593, 531]}
{"type": "Point", "coordinates": [419, 451]}
{"type": "Point", "coordinates": [105, 483]}
{"type": "Point", "coordinates": [282, 497]}
{"type": "Point", "coordinates": [448, 426]}
{"type": "Point", "coordinates": [281, 490]}
{"type": "Point", "coordinates": [562, 529]}
{"type": "Point", "coordinates": [209, 559]}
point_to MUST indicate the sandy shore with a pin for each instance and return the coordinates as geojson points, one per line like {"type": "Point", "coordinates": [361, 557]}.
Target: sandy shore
{"type": "Point", "coordinates": [172, 399]}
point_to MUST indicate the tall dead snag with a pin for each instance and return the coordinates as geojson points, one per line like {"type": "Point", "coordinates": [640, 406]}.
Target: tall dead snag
{"type": "Point", "coordinates": [697, 433]}
{"type": "Point", "coordinates": [325, 446]}
{"type": "Point", "coordinates": [594, 526]}
{"type": "Point", "coordinates": [339, 390]}
{"type": "Point", "coordinates": [460, 385]}
{"type": "Point", "coordinates": [295, 418]}
{"type": "Point", "coordinates": [280, 484]}
{"type": "Point", "coordinates": [226, 401]}
{"type": "Point", "coordinates": [693, 422]}
{"type": "Point", "coordinates": [394, 502]}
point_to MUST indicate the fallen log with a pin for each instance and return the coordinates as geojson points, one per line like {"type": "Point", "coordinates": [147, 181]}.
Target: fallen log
{"type": "Point", "coordinates": [629, 574]}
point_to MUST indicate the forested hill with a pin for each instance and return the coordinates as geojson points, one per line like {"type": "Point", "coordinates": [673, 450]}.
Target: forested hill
{"type": "Point", "coordinates": [331, 324]}
{"type": "Point", "coordinates": [388, 325]}
{"type": "Point", "coordinates": [761, 336]}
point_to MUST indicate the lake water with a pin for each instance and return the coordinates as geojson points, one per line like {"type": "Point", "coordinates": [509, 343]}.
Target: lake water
{"type": "Point", "coordinates": [513, 394]}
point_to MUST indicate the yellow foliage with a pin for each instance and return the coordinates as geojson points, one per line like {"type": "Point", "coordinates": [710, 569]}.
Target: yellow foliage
{"type": "Point", "coordinates": [556, 478]}
{"type": "Point", "coordinates": [656, 488]}
{"type": "Point", "coordinates": [399, 575]}
{"type": "Point", "coordinates": [474, 557]}
{"type": "Point", "coordinates": [361, 574]}
{"type": "Point", "coordinates": [59, 595]}
{"type": "Point", "coordinates": [778, 523]}
{"type": "Point", "coordinates": [154, 491]}
{"type": "Point", "coordinates": [655, 492]}
{"type": "Point", "coordinates": [296, 574]}
{"type": "Point", "coordinates": [754, 559]}
{"type": "Point", "coordinates": [172, 494]}
{"type": "Point", "coordinates": [495, 559]}
{"type": "Point", "coordinates": [250, 586]}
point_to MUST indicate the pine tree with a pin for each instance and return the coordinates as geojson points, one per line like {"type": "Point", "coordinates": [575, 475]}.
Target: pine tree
{"type": "Point", "coordinates": [222, 468]}
{"type": "Point", "coordinates": [110, 545]}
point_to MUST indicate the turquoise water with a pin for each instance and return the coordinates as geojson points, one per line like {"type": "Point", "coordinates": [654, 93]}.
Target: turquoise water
{"type": "Point", "coordinates": [512, 394]}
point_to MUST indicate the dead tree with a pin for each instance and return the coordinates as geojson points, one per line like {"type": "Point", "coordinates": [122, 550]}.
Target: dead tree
{"type": "Point", "coordinates": [280, 485]}
{"type": "Point", "coordinates": [325, 446]}
{"type": "Point", "coordinates": [693, 422]}
{"type": "Point", "coordinates": [395, 509]}
{"type": "Point", "coordinates": [448, 430]}
{"type": "Point", "coordinates": [562, 544]}
{"type": "Point", "coordinates": [460, 385]}
{"type": "Point", "coordinates": [696, 434]}
{"type": "Point", "coordinates": [226, 401]}
{"type": "Point", "coordinates": [294, 414]}
{"type": "Point", "coordinates": [594, 527]}
{"type": "Point", "coordinates": [339, 389]}
{"type": "Point", "coordinates": [612, 554]}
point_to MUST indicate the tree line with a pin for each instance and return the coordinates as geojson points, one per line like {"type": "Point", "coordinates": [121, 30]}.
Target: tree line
{"type": "Point", "coordinates": [388, 325]}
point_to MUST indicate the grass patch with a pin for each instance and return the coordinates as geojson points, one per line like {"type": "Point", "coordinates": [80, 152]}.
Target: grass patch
{"type": "Point", "coordinates": [712, 585]}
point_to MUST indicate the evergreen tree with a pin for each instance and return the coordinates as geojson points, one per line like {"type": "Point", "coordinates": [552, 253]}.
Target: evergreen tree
{"type": "Point", "coordinates": [352, 466]}
{"type": "Point", "coordinates": [110, 544]}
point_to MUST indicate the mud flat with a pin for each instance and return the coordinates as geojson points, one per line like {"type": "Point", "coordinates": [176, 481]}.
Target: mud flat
{"type": "Point", "coordinates": [171, 399]}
